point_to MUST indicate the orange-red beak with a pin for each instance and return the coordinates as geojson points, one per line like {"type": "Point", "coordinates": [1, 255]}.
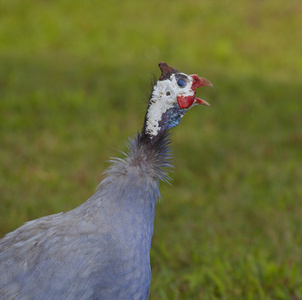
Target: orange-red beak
{"type": "Point", "coordinates": [199, 81]}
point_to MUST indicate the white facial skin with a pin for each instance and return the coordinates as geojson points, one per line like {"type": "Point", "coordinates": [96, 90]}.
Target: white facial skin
{"type": "Point", "coordinates": [164, 96]}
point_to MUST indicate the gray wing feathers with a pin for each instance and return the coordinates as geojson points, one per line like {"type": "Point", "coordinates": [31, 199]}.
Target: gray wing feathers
{"type": "Point", "coordinates": [99, 250]}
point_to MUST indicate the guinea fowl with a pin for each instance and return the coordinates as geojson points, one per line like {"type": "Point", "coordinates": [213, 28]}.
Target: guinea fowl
{"type": "Point", "coordinates": [101, 249]}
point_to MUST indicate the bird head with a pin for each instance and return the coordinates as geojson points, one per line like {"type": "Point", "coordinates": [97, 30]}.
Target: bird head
{"type": "Point", "coordinates": [172, 96]}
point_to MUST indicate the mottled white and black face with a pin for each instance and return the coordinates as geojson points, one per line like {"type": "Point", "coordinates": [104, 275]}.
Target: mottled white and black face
{"type": "Point", "coordinates": [170, 99]}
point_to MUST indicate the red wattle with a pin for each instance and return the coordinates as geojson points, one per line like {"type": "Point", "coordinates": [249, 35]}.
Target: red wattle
{"type": "Point", "coordinates": [185, 101]}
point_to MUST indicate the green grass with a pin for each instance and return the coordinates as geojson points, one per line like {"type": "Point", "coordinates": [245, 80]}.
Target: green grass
{"type": "Point", "coordinates": [74, 77]}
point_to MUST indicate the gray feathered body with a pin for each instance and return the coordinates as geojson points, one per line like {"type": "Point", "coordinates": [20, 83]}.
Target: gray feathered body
{"type": "Point", "coordinates": [101, 249]}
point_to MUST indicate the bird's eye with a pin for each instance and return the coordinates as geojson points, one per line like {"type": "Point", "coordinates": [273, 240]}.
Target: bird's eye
{"type": "Point", "coordinates": [181, 83]}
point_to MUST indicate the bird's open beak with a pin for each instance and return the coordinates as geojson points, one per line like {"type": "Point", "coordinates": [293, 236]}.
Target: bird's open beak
{"type": "Point", "coordinates": [185, 102]}
{"type": "Point", "coordinates": [199, 81]}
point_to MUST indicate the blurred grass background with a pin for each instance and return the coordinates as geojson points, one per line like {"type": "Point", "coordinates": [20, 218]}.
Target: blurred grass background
{"type": "Point", "coordinates": [74, 77]}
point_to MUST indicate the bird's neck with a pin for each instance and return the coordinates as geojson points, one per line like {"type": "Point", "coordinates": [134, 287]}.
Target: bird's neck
{"type": "Point", "coordinates": [151, 153]}
{"type": "Point", "coordinates": [160, 117]}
